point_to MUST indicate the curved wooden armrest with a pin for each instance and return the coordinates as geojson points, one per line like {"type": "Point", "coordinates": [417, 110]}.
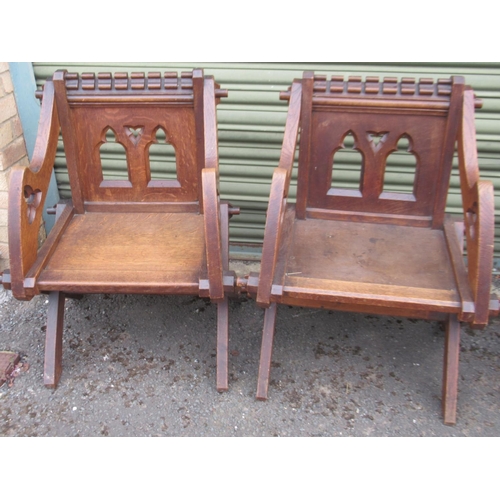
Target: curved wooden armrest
{"type": "Point", "coordinates": [213, 242]}
{"type": "Point", "coordinates": [27, 192]}
{"type": "Point", "coordinates": [278, 197]}
{"type": "Point", "coordinates": [210, 194]}
{"type": "Point", "coordinates": [479, 213]}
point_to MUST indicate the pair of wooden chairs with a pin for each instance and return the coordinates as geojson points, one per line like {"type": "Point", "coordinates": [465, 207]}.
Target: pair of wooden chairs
{"type": "Point", "coordinates": [371, 248]}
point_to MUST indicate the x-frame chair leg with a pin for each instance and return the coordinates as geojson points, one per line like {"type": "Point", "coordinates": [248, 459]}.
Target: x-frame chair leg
{"type": "Point", "coordinates": [450, 369]}
{"type": "Point", "coordinates": [222, 344]}
{"type": "Point", "coordinates": [266, 351]}
{"type": "Point", "coordinates": [223, 308]}
{"type": "Point", "coordinates": [53, 340]}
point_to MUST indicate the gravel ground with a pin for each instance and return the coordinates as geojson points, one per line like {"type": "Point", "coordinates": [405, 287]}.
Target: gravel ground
{"type": "Point", "coordinates": [137, 365]}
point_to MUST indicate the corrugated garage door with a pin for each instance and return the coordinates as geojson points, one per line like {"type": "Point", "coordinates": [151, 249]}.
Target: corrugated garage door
{"type": "Point", "coordinates": [252, 118]}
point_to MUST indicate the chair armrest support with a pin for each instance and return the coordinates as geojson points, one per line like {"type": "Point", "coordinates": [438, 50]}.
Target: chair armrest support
{"type": "Point", "coordinates": [272, 235]}
{"type": "Point", "coordinates": [213, 242]}
{"type": "Point", "coordinates": [479, 231]}
{"type": "Point", "coordinates": [478, 205]}
{"type": "Point", "coordinates": [27, 193]}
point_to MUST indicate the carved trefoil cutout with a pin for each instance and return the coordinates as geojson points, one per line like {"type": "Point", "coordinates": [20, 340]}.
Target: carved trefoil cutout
{"type": "Point", "coordinates": [134, 134]}
{"type": "Point", "coordinates": [347, 169]}
{"type": "Point", "coordinates": [114, 163]}
{"type": "Point", "coordinates": [162, 161]}
{"type": "Point", "coordinates": [400, 172]}
{"type": "Point", "coordinates": [376, 140]}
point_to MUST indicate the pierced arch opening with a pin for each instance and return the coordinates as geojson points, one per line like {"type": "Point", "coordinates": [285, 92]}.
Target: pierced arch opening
{"type": "Point", "coordinates": [347, 169]}
{"type": "Point", "coordinates": [400, 172]}
{"type": "Point", "coordinates": [114, 165]}
{"type": "Point", "coordinates": [162, 161]}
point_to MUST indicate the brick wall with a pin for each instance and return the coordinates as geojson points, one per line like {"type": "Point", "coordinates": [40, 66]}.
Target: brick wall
{"type": "Point", "coordinates": [12, 152]}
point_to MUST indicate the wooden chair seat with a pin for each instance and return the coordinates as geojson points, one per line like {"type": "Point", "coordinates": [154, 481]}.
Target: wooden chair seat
{"type": "Point", "coordinates": [370, 264]}
{"type": "Point", "coordinates": [93, 254]}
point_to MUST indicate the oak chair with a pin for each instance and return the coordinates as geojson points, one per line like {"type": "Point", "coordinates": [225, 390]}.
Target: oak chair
{"type": "Point", "coordinates": [138, 231]}
{"type": "Point", "coordinates": [374, 247]}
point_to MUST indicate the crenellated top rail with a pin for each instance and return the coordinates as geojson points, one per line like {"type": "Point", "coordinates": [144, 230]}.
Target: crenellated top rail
{"type": "Point", "coordinates": [122, 87]}
{"type": "Point", "coordinates": [386, 92]}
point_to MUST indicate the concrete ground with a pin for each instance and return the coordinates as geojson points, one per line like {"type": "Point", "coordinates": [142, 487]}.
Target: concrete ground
{"type": "Point", "coordinates": [138, 365]}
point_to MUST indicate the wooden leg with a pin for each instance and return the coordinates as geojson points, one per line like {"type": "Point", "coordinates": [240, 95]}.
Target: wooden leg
{"type": "Point", "coordinates": [223, 307]}
{"type": "Point", "coordinates": [266, 352]}
{"type": "Point", "coordinates": [222, 344]}
{"type": "Point", "coordinates": [450, 369]}
{"type": "Point", "coordinates": [53, 340]}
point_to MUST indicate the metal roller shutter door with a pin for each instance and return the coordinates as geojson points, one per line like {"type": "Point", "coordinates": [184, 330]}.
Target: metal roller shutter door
{"type": "Point", "coordinates": [252, 118]}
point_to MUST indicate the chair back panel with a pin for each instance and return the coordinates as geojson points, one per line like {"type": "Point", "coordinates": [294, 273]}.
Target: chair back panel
{"type": "Point", "coordinates": [377, 115]}
{"type": "Point", "coordinates": [135, 129]}
{"type": "Point", "coordinates": [329, 129]}
{"type": "Point", "coordinates": [132, 110]}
